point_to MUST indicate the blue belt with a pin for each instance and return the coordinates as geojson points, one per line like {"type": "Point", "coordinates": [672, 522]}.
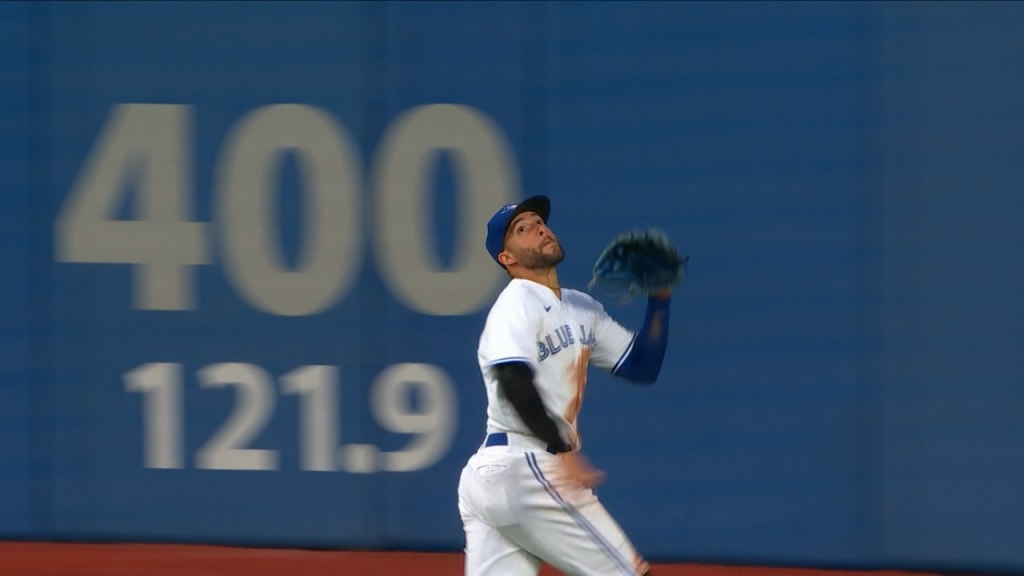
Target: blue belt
{"type": "Point", "coordinates": [501, 439]}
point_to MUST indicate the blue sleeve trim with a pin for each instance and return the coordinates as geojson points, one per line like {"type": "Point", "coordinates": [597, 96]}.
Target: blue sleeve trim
{"type": "Point", "coordinates": [618, 365]}
{"type": "Point", "coordinates": [522, 359]}
{"type": "Point", "coordinates": [642, 363]}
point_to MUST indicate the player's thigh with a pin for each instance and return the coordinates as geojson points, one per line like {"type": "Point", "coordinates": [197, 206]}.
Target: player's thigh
{"type": "Point", "coordinates": [485, 511]}
{"type": "Point", "coordinates": [571, 530]}
{"type": "Point", "coordinates": [584, 540]}
{"type": "Point", "coordinates": [490, 553]}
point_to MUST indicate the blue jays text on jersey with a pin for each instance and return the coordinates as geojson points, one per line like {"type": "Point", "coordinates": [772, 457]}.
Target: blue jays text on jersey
{"type": "Point", "coordinates": [562, 337]}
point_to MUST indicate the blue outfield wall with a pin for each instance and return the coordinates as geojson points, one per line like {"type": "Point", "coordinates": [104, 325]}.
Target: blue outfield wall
{"type": "Point", "coordinates": [244, 271]}
{"type": "Point", "coordinates": [16, 407]}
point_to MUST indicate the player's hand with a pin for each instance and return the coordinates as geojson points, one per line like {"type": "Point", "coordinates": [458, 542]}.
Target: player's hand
{"type": "Point", "coordinates": [577, 470]}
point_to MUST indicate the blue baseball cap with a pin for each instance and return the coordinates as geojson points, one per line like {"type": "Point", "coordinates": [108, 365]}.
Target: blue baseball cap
{"type": "Point", "coordinates": [498, 224]}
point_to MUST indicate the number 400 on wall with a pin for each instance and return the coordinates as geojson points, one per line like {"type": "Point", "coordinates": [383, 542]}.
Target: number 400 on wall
{"type": "Point", "coordinates": [146, 150]}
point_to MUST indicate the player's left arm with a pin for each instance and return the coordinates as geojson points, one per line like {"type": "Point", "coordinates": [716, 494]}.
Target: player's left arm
{"type": "Point", "coordinates": [634, 356]}
{"type": "Point", "coordinates": [642, 362]}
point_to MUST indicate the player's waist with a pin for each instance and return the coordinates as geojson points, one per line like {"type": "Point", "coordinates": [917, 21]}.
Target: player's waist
{"type": "Point", "coordinates": [516, 441]}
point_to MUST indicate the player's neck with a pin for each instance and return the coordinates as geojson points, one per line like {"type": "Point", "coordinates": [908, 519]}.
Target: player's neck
{"type": "Point", "coordinates": [546, 277]}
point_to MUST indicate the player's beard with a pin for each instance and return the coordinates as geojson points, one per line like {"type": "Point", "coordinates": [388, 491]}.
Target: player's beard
{"type": "Point", "coordinates": [537, 259]}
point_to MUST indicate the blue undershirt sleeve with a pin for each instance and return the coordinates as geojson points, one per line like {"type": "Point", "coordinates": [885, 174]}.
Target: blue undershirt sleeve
{"type": "Point", "coordinates": [643, 363]}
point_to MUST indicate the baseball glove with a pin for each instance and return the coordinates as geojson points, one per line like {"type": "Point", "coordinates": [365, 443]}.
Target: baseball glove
{"type": "Point", "coordinates": [640, 262]}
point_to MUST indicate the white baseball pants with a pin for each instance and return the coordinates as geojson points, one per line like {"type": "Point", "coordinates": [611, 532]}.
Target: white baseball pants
{"type": "Point", "coordinates": [515, 515]}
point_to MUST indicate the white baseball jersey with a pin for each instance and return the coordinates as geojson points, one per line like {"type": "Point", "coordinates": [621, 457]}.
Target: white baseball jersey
{"type": "Point", "coordinates": [558, 338]}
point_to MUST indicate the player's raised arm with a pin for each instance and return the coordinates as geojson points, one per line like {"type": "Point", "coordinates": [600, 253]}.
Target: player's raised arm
{"type": "Point", "coordinates": [643, 262]}
{"type": "Point", "coordinates": [642, 363]}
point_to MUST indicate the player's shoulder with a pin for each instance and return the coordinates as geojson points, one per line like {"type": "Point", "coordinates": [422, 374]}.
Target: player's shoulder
{"type": "Point", "coordinates": [519, 288]}
{"type": "Point", "coordinates": [581, 300]}
{"type": "Point", "coordinates": [519, 293]}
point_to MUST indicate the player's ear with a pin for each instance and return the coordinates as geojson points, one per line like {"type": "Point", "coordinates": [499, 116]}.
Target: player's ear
{"type": "Point", "coordinates": [506, 258]}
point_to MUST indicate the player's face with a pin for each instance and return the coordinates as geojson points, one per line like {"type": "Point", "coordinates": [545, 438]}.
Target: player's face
{"type": "Point", "coordinates": [532, 243]}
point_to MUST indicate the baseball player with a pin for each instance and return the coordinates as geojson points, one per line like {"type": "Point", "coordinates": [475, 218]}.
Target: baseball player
{"type": "Point", "coordinates": [525, 496]}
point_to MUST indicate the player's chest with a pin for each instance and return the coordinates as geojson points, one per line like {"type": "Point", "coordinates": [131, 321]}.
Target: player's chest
{"type": "Point", "coordinates": [564, 334]}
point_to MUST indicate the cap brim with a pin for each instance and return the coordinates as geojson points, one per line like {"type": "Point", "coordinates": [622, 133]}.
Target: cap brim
{"type": "Point", "coordinates": [540, 204]}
